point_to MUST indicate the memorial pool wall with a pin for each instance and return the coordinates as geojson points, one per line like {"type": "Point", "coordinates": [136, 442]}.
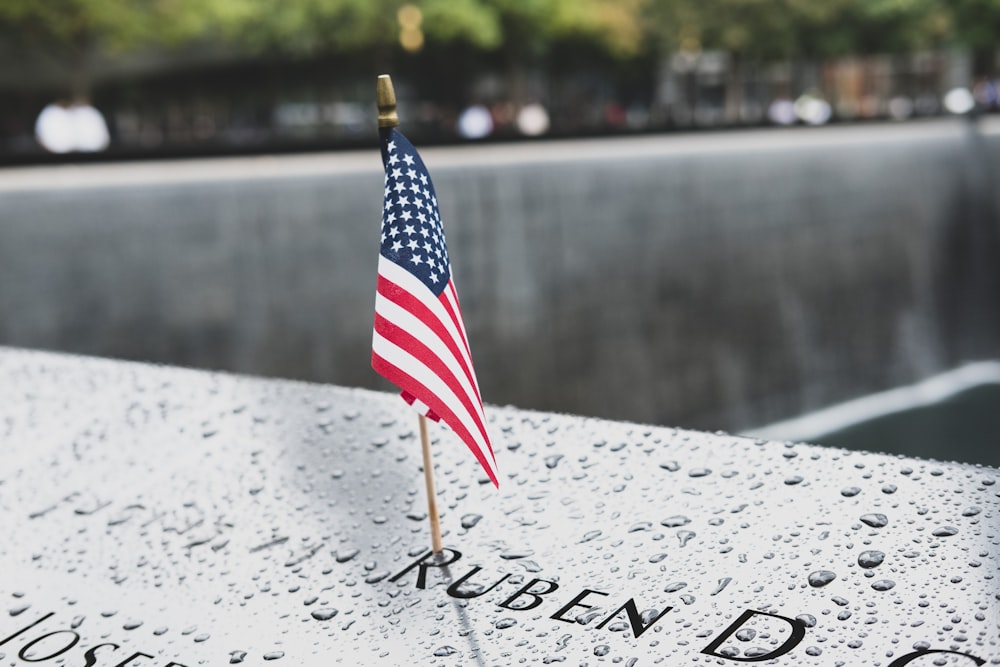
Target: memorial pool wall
{"type": "Point", "coordinates": [718, 281]}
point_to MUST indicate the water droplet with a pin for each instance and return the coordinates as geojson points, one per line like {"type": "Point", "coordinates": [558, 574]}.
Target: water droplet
{"type": "Point", "coordinates": [550, 462]}
{"type": "Point", "coordinates": [602, 650]}
{"type": "Point", "coordinates": [324, 613]}
{"type": "Point", "coordinates": [642, 525]}
{"type": "Point", "coordinates": [850, 491]}
{"type": "Point", "coordinates": [699, 472]}
{"type": "Point", "coordinates": [675, 521]}
{"type": "Point", "coordinates": [132, 625]}
{"type": "Point", "coordinates": [971, 511]}
{"type": "Point", "coordinates": [236, 657]}
{"type": "Point", "coordinates": [883, 584]}
{"type": "Point", "coordinates": [470, 520]}
{"type": "Point", "coordinates": [376, 577]}
{"type": "Point", "coordinates": [875, 520]}
{"type": "Point", "coordinates": [590, 535]}
{"type": "Point", "coordinates": [746, 634]}
{"type": "Point", "coordinates": [821, 578]}
{"type": "Point", "coordinates": [344, 555]}
{"type": "Point", "coordinates": [505, 623]}
{"type": "Point", "coordinates": [793, 480]}
{"type": "Point", "coordinates": [685, 536]}
{"type": "Point", "coordinates": [671, 466]}
{"type": "Point", "coordinates": [444, 651]}
{"type": "Point", "coordinates": [944, 531]}
{"type": "Point", "coordinates": [274, 655]}
{"type": "Point", "coordinates": [870, 559]}
{"type": "Point", "coordinates": [675, 586]}
{"type": "Point", "coordinates": [807, 620]}
{"type": "Point", "coordinates": [722, 584]}
{"type": "Point", "coordinates": [888, 489]}
{"type": "Point", "coordinates": [19, 609]}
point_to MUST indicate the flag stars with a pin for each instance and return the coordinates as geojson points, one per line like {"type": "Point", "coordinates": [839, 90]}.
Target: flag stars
{"type": "Point", "coordinates": [413, 245]}
{"type": "Point", "coordinates": [409, 229]}
{"type": "Point", "coordinates": [417, 259]}
{"type": "Point", "coordinates": [391, 146]}
{"type": "Point", "coordinates": [408, 159]}
{"type": "Point", "coordinates": [396, 246]}
{"type": "Point", "coordinates": [411, 174]}
{"type": "Point", "coordinates": [406, 215]}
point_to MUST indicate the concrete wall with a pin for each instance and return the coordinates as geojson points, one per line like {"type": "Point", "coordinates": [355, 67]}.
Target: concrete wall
{"type": "Point", "coordinates": [716, 281]}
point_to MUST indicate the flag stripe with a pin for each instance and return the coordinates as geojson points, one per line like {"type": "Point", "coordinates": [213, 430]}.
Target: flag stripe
{"type": "Point", "coordinates": [398, 285]}
{"type": "Point", "coordinates": [408, 373]}
{"type": "Point", "coordinates": [405, 332]}
{"type": "Point", "coordinates": [449, 299]}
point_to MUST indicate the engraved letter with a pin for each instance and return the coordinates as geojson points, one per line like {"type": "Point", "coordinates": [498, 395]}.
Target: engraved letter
{"type": "Point", "coordinates": [525, 590]}
{"type": "Point", "coordinates": [575, 602]}
{"type": "Point", "coordinates": [454, 592]}
{"type": "Point", "coordinates": [909, 657]}
{"type": "Point", "coordinates": [436, 560]}
{"type": "Point", "coordinates": [634, 617]}
{"type": "Point", "coordinates": [798, 632]}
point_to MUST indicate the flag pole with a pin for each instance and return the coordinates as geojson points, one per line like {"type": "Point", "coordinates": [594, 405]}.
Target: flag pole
{"type": "Point", "coordinates": [432, 509]}
{"type": "Point", "coordinates": [385, 100]}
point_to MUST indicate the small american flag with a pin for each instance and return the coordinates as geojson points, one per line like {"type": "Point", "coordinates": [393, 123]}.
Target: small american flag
{"type": "Point", "coordinates": [419, 342]}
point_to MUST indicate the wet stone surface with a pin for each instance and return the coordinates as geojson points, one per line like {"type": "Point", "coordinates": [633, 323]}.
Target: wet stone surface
{"type": "Point", "coordinates": [205, 519]}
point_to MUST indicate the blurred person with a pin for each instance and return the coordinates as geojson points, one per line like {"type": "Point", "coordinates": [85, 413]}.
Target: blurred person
{"type": "Point", "coordinates": [89, 127]}
{"type": "Point", "coordinates": [54, 128]}
{"type": "Point", "coordinates": [76, 127]}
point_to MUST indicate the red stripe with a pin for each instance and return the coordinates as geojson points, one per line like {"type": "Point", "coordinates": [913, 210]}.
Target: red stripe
{"type": "Point", "coordinates": [457, 319]}
{"type": "Point", "coordinates": [407, 383]}
{"type": "Point", "coordinates": [416, 348]}
{"type": "Point", "coordinates": [418, 309]}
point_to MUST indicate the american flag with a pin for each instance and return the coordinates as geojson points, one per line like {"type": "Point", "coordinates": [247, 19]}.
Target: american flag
{"type": "Point", "coordinates": [419, 342]}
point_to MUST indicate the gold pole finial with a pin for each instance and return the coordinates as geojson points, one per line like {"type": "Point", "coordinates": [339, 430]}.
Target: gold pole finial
{"type": "Point", "coordinates": [385, 99]}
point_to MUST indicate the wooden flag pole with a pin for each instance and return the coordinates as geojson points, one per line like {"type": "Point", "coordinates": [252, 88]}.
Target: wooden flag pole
{"type": "Point", "coordinates": [432, 509]}
{"type": "Point", "coordinates": [385, 100]}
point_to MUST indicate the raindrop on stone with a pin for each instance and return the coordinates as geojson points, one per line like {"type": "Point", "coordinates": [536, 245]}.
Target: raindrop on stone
{"type": "Point", "coordinates": [675, 521]}
{"type": "Point", "coordinates": [699, 472]}
{"type": "Point", "coordinates": [236, 657]}
{"type": "Point", "coordinates": [821, 578]}
{"type": "Point", "coordinates": [444, 651]}
{"type": "Point", "coordinates": [883, 584]}
{"type": "Point", "coordinates": [505, 623]}
{"type": "Point", "coordinates": [944, 531]}
{"type": "Point", "coordinates": [470, 520]}
{"type": "Point", "coordinates": [850, 491]}
{"type": "Point", "coordinates": [685, 536]}
{"type": "Point", "coordinates": [324, 613]}
{"type": "Point", "coordinates": [875, 520]}
{"type": "Point", "coordinates": [274, 655]}
{"type": "Point", "coordinates": [870, 559]}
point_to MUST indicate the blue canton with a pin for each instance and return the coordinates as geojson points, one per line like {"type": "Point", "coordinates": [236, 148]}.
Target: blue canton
{"type": "Point", "coordinates": [412, 235]}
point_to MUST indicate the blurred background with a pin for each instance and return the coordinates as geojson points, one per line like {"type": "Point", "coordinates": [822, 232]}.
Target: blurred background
{"type": "Point", "coordinates": [774, 217]}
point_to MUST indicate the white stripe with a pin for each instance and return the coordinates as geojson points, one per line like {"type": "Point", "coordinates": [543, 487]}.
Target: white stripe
{"type": "Point", "coordinates": [412, 324]}
{"type": "Point", "coordinates": [412, 366]}
{"type": "Point", "coordinates": [452, 295]}
{"type": "Point", "coordinates": [413, 285]}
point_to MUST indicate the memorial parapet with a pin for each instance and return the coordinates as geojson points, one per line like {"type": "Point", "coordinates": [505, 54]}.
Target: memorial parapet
{"type": "Point", "coordinates": [165, 517]}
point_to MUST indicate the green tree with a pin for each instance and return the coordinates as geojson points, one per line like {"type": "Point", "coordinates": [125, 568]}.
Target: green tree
{"type": "Point", "coordinates": [73, 30]}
